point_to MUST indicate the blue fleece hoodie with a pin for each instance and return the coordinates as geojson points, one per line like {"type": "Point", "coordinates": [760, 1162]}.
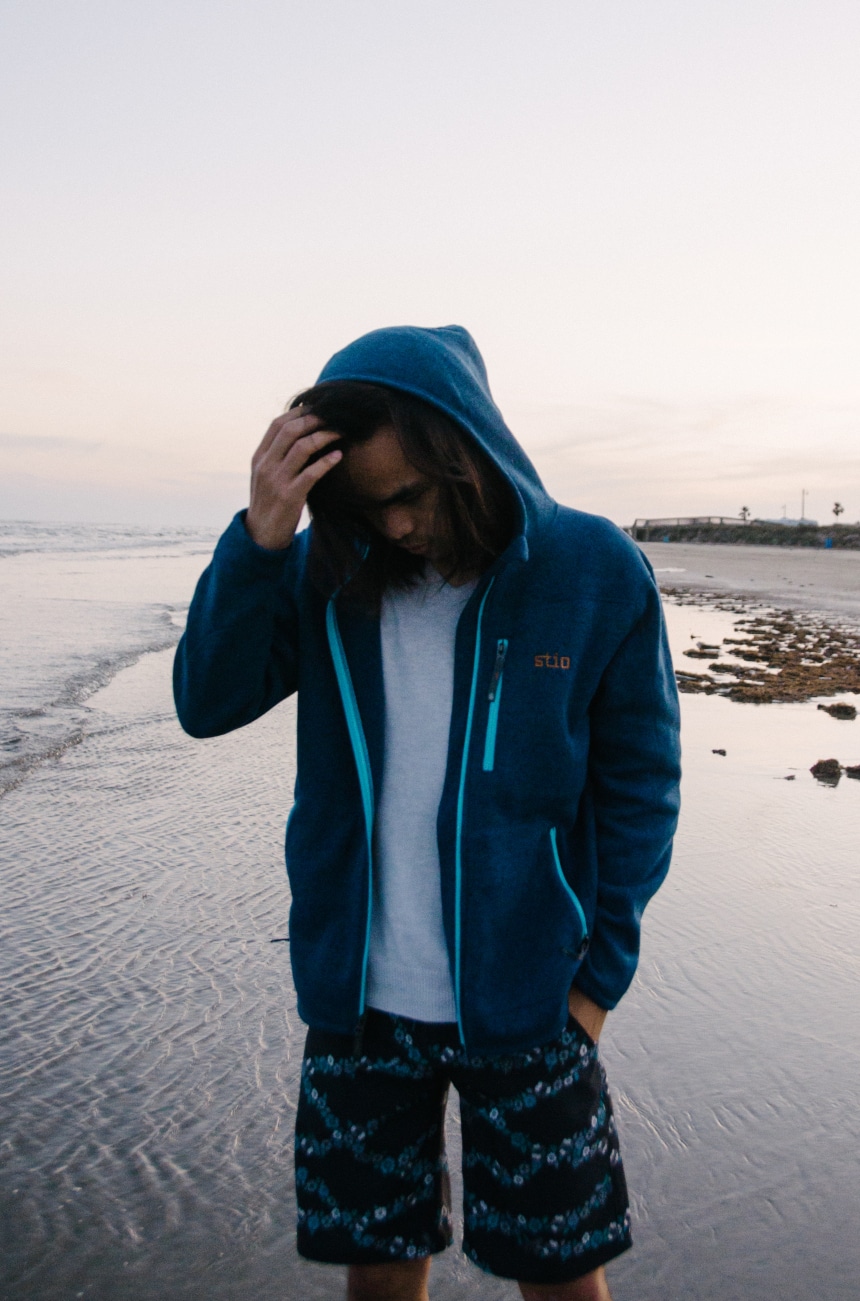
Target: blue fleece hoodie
{"type": "Point", "coordinates": [561, 791]}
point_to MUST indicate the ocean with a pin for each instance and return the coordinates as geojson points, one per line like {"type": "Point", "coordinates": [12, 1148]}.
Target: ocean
{"type": "Point", "coordinates": [150, 1043]}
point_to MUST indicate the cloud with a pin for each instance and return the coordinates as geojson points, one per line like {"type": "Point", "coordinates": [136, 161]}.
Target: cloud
{"type": "Point", "coordinates": [624, 457]}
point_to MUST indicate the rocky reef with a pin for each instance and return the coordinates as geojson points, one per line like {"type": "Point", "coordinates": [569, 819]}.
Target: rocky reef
{"type": "Point", "coordinates": [777, 655]}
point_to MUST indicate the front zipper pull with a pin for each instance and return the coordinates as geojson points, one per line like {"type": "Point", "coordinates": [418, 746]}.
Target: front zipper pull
{"type": "Point", "coordinates": [501, 652]}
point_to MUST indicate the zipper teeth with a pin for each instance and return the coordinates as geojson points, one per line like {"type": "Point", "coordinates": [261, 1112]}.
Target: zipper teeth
{"type": "Point", "coordinates": [495, 697]}
{"type": "Point", "coordinates": [501, 652]}
{"type": "Point", "coordinates": [458, 844]}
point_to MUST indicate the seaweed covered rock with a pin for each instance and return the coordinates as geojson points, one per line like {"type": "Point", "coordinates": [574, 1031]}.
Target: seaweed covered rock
{"type": "Point", "coordinates": [840, 711]}
{"type": "Point", "coordinates": [827, 770]}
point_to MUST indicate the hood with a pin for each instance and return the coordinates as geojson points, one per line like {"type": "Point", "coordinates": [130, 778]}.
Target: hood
{"type": "Point", "coordinates": [444, 367]}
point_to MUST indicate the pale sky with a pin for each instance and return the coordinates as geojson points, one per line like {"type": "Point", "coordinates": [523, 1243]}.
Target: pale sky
{"type": "Point", "coordinates": [646, 212]}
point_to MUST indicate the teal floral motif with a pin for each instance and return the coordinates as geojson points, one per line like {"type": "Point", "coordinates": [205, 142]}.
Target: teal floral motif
{"type": "Point", "coordinates": [353, 1138]}
{"type": "Point", "coordinates": [334, 1216]}
{"type": "Point", "coordinates": [552, 1246]}
{"type": "Point", "coordinates": [574, 1151]}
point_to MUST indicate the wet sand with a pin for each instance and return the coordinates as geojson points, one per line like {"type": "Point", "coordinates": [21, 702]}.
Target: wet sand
{"type": "Point", "coordinates": [798, 577]}
{"type": "Point", "coordinates": [151, 1045]}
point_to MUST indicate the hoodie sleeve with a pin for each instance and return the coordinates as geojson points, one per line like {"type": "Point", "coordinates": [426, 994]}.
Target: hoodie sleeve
{"type": "Point", "coordinates": [634, 771]}
{"type": "Point", "coordinates": [238, 655]}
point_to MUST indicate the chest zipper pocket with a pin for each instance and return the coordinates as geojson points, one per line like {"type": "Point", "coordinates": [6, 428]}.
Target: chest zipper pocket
{"type": "Point", "coordinates": [494, 695]}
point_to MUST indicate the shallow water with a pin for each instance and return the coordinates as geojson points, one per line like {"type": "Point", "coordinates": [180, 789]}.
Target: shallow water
{"type": "Point", "coordinates": [77, 603]}
{"type": "Point", "coordinates": [151, 1047]}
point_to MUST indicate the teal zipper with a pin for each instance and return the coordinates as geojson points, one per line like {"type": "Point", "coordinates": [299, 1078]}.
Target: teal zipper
{"type": "Point", "coordinates": [461, 795]}
{"type": "Point", "coordinates": [495, 698]}
{"type": "Point", "coordinates": [362, 763]}
{"type": "Point", "coordinates": [553, 835]}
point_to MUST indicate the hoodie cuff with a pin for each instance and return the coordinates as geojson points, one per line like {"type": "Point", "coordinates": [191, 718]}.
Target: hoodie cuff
{"type": "Point", "coordinates": [238, 551]}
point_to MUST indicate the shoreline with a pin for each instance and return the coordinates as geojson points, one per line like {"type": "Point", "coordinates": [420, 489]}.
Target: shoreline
{"type": "Point", "coordinates": [789, 641]}
{"type": "Point", "coordinates": [821, 583]}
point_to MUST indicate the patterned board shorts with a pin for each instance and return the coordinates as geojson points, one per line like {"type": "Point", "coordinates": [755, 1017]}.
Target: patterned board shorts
{"type": "Point", "coordinates": [545, 1199]}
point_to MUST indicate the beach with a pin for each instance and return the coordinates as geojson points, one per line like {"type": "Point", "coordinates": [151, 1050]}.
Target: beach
{"type": "Point", "coordinates": [821, 581]}
{"type": "Point", "coordinates": [151, 1045]}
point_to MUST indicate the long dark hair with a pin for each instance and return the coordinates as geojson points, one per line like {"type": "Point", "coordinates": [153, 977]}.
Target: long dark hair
{"type": "Point", "coordinates": [476, 501]}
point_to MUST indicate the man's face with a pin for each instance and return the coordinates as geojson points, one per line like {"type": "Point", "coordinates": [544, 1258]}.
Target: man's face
{"type": "Point", "coordinates": [399, 501]}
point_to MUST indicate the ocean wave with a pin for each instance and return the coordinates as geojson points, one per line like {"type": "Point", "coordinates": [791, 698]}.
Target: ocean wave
{"type": "Point", "coordinates": [36, 734]}
{"type": "Point", "coordinates": [23, 537]}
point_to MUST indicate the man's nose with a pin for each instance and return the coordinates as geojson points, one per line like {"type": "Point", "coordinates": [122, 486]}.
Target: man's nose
{"type": "Point", "coordinates": [397, 523]}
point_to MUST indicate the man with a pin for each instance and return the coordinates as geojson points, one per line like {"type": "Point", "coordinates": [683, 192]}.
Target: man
{"type": "Point", "coordinates": [486, 794]}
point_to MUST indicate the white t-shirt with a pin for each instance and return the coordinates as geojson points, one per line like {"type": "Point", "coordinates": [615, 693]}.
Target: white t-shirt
{"type": "Point", "coordinates": [408, 968]}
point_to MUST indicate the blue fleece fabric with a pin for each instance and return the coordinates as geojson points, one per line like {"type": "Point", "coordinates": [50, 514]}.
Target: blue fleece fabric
{"type": "Point", "coordinates": [574, 817]}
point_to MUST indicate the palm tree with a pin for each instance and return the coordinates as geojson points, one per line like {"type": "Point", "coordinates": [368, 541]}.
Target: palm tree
{"type": "Point", "coordinates": [745, 513]}
{"type": "Point", "coordinates": [838, 509]}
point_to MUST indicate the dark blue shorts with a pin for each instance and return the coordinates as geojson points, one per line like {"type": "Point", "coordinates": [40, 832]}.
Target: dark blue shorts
{"type": "Point", "coordinates": [545, 1199]}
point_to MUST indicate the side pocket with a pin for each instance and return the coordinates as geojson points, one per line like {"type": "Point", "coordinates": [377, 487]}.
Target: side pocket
{"type": "Point", "coordinates": [571, 894]}
{"type": "Point", "coordinates": [494, 696]}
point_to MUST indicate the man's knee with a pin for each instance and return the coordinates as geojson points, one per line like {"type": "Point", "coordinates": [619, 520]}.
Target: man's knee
{"type": "Point", "coordinates": [402, 1280]}
{"type": "Point", "coordinates": [591, 1287]}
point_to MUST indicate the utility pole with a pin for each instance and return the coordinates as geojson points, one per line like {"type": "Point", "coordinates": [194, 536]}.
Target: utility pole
{"type": "Point", "coordinates": [803, 496]}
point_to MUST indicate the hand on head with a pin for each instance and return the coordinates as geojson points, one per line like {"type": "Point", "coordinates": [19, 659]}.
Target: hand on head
{"type": "Point", "coordinates": [283, 473]}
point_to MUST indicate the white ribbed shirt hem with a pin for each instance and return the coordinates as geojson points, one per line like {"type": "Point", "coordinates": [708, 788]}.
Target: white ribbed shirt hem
{"type": "Point", "coordinates": [405, 991]}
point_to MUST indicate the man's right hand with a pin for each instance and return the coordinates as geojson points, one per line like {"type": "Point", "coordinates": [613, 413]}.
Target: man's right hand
{"type": "Point", "coordinates": [281, 477]}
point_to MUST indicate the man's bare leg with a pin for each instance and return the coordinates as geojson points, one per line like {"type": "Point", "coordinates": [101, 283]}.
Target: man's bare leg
{"type": "Point", "coordinates": [591, 1287]}
{"type": "Point", "coordinates": [407, 1281]}
{"type": "Point", "coordinates": [402, 1280]}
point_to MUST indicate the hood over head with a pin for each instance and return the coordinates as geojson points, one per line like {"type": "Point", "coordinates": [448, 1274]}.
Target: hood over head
{"type": "Point", "coordinates": [443, 366]}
